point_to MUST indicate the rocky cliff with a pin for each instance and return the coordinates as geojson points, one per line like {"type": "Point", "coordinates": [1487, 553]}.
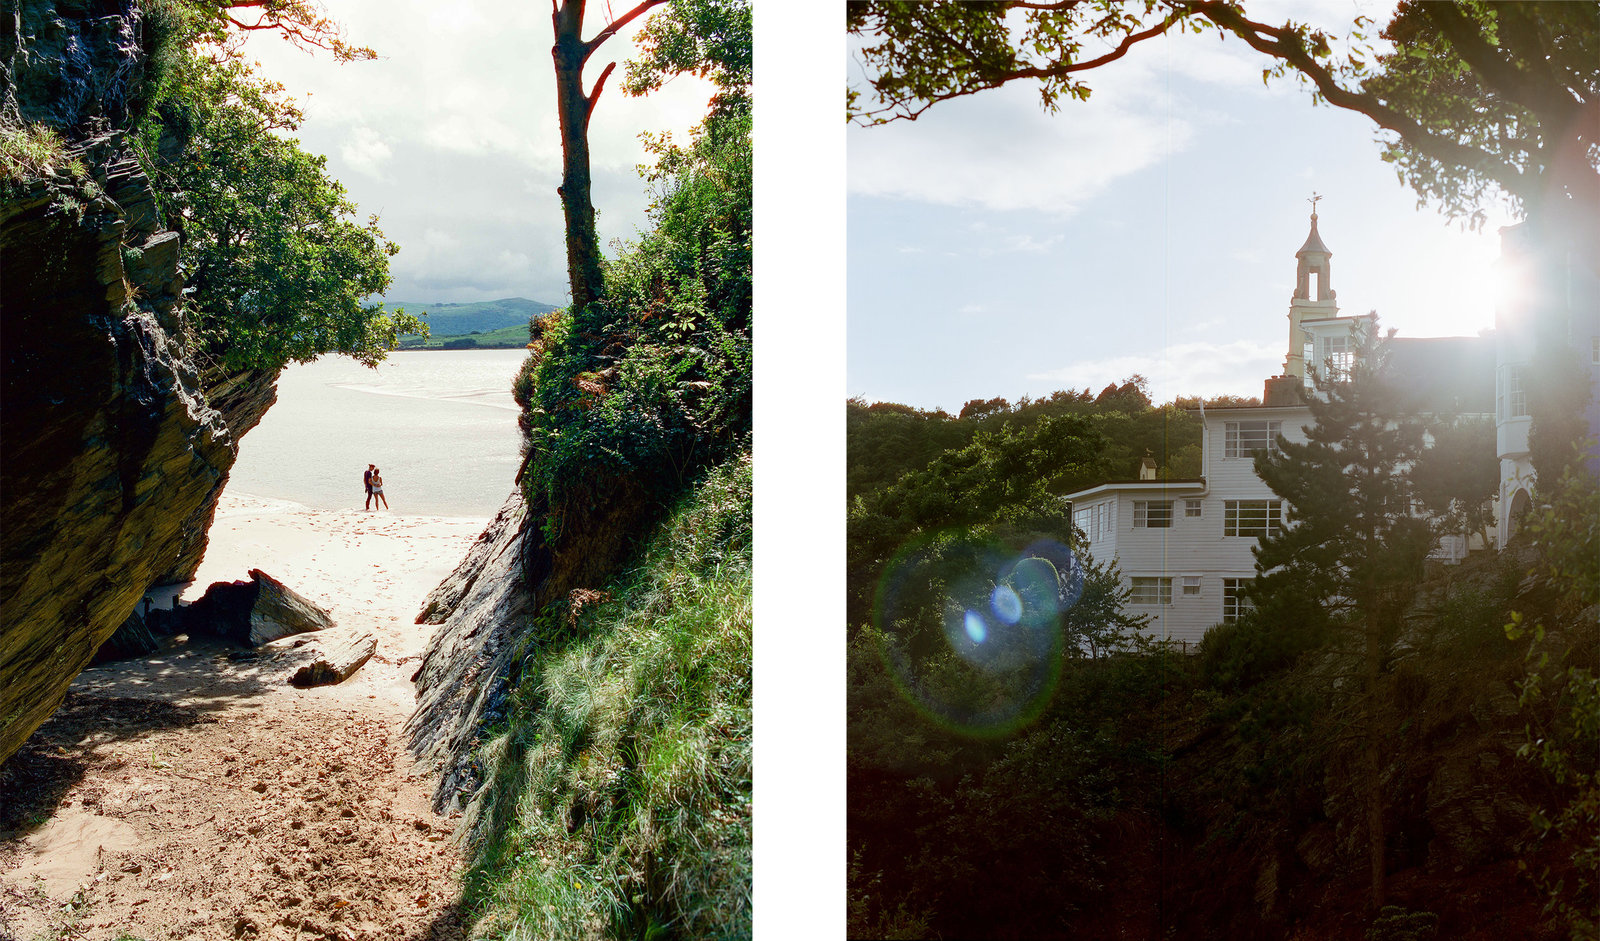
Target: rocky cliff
{"type": "Point", "coordinates": [482, 610]}
{"type": "Point", "coordinates": [116, 444]}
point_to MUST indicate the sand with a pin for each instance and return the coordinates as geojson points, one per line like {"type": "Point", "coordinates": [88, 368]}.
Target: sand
{"type": "Point", "coordinates": [195, 794]}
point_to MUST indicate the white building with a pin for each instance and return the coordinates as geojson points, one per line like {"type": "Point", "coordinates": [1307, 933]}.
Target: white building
{"type": "Point", "coordinates": [1184, 546]}
{"type": "Point", "coordinates": [1556, 297]}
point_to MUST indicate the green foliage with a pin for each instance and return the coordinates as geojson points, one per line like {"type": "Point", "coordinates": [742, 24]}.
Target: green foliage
{"type": "Point", "coordinates": [1350, 545]}
{"type": "Point", "coordinates": [34, 151]}
{"type": "Point", "coordinates": [1458, 477]}
{"type": "Point", "coordinates": [707, 38]}
{"type": "Point", "coordinates": [1562, 691]}
{"type": "Point", "coordinates": [1394, 923]}
{"type": "Point", "coordinates": [279, 269]}
{"type": "Point", "coordinates": [1249, 650]}
{"type": "Point", "coordinates": [886, 440]}
{"type": "Point", "coordinates": [870, 916]}
{"type": "Point", "coordinates": [1451, 72]}
{"type": "Point", "coordinates": [653, 381]}
{"type": "Point", "coordinates": [619, 797]}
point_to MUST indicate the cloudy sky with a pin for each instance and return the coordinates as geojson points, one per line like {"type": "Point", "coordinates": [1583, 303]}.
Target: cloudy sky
{"type": "Point", "coordinates": [451, 138]}
{"type": "Point", "coordinates": [996, 250]}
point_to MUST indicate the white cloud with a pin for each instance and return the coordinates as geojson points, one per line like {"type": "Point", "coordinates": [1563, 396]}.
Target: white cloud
{"type": "Point", "coordinates": [454, 127]}
{"type": "Point", "coordinates": [365, 151]}
{"type": "Point", "coordinates": [1021, 244]}
{"type": "Point", "coordinates": [999, 151]}
{"type": "Point", "coordinates": [1183, 369]}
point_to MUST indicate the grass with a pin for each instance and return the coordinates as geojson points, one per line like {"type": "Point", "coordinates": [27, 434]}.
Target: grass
{"type": "Point", "coordinates": [34, 151]}
{"type": "Point", "coordinates": [619, 800]}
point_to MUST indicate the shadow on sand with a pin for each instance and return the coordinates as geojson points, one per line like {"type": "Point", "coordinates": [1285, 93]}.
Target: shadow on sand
{"type": "Point", "coordinates": [178, 686]}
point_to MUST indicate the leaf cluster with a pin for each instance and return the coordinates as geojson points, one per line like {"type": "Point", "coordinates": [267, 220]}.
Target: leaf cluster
{"type": "Point", "coordinates": [277, 265]}
{"type": "Point", "coordinates": [280, 268]}
{"type": "Point", "coordinates": [1561, 691]}
{"type": "Point", "coordinates": [710, 39]}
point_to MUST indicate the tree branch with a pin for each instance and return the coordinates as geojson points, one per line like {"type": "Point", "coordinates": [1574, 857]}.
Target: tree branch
{"type": "Point", "coordinates": [590, 100]}
{"type": "Point", "coordinates": [621, 21]}
{"type": "Point", "coordinates": [1283, 43]}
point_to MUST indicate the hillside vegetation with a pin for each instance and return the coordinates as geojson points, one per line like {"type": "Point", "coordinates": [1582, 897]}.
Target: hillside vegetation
{"type": "Point", "coordinates": [1084, 781]}
{"type": "Point", "coordinates": [620, 802]}
{"type": "Point", "coordinates": [617, 794]}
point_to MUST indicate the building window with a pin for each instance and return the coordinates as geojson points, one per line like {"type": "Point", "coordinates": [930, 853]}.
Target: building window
{"type": "Point", "coordinates": [1082, 519]}
{"type": "Point", "coordinates": [1257, 518]}
{"type": "Point", "coordinates": [1191, 584]}
{"type": "Point", "coordinates": [1152, 514]}
{"type": "Point", "coordinates": [1234, 603]}
{"type": "Point", "coordinates": [1338, 356]}
{"type": "Point", "coordinates": [1245, 438]}
{"type": "Point", "coordinates": [1191, 509]}
{"type": "Point", "coordinates": [1513, 398]}
{"type": "Point", "coordinates": [1151, 591]}
{"type": "Point", "coordinates": [1105, 518]}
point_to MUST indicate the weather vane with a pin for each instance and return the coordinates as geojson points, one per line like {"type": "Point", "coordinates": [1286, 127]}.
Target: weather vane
{"type": "Point", "coordinates": [1313, 201]}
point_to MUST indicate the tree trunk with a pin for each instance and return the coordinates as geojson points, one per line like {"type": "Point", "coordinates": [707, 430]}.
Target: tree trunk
{"type": "Point", "coordinates": [575, 107]}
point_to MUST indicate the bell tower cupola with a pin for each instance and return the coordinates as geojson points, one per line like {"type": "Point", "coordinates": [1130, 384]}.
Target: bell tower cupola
{"type": "Point", "coordinates": [1314, 297]}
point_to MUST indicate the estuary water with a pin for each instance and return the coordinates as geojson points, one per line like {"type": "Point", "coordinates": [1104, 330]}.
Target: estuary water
{"type": "Point", "coordinates": [440, 424]}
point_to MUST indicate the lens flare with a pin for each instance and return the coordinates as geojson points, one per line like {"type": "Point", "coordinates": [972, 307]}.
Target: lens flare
{"type": "Point", "coordinates": [976, 629]}
{"type": "Point", "coordinates": [1006, 604]}
{"type": "Point", "coordinates": [972, 629]}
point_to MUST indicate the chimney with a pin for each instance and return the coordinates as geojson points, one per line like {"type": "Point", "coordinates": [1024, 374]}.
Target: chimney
{"type": "Point", "coordinates": [1282, 390]}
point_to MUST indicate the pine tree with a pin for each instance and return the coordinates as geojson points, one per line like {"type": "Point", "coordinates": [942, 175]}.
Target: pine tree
{"type": "Point", "coordinates": [1351, 550]}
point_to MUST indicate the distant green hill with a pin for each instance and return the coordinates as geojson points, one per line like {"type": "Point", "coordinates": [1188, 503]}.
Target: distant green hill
{"type": "Point", "coordinates": [454, 320]}
{"type": "Point", "coordinates": [506, 338]}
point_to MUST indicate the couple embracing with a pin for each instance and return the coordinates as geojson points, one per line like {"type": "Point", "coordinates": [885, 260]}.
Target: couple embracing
{"type": "Point", "coordinates": [374, 483]}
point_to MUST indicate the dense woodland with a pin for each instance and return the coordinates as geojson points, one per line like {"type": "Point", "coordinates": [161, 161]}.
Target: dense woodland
{"type": "Point", "coordinates": [1102, 784]}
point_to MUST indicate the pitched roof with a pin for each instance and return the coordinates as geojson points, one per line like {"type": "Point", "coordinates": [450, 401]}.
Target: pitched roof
{"type": "Point", "coordinates": [1313, 241]}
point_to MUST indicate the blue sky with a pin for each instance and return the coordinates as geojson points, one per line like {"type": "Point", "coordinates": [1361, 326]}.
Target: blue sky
{"type": "Point", "coordinates": [996, 250]}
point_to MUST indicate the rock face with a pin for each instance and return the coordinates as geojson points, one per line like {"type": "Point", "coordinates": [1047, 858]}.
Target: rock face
{"type": "Point", "coordinates": [116, 445]}
{"type": "Point", "coordinates": [473, 658]}
{"type": "Point", "coordinates": [252, 613]}
{"type": "Point", "coordinates": [132, 639]}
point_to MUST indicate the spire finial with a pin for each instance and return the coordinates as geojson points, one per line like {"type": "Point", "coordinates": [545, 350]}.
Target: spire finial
{"type": "Point", "coordinates": [1315, 196]}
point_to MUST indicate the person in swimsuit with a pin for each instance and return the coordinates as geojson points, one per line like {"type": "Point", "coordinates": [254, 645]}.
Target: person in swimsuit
{"type": "Point", "coordinates": [366, 480]}
{"type": "Point", "coordinates": [377, 488]}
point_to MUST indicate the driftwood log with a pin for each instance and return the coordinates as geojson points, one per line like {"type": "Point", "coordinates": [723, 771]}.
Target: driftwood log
{"type": "Point", "coordinates": [332, 659]}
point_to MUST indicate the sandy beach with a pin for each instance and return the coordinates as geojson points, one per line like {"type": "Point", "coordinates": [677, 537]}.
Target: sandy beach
{"type": "Point", "coordinates": [196, 794]}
